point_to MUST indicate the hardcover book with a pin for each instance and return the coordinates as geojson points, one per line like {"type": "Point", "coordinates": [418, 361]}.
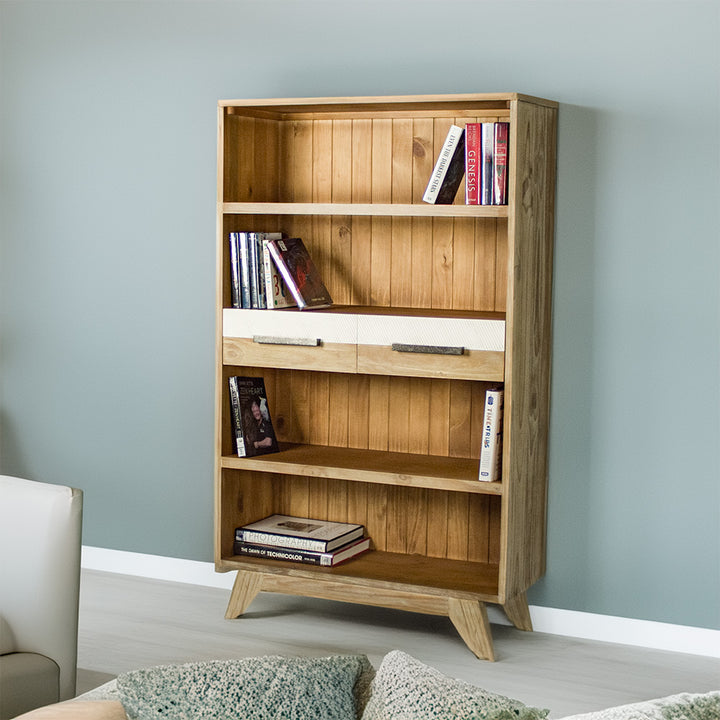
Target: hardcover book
{"type": "Point", "coordinates": [473, 152]}
{"type": "Point", "coordinates": [486, 164]}
{"type": "Point", "coordinates": [235, 270]}
{"type": "Point", "coordinates": [252, 426]}
{"type": "Point", "coordinates": [276, 291]}
{"type": "Point", "coordinates": [491, 448]}
{"type": "Point", "coordinates": [449, 169]}
{"type": "Point", "coordinates": [299, 533]}
{"type": "Point", "coordinates": [309, 557]}
{"type": "Point", "coordinates": [299, 273]}
{"type": "Point", "coordinates": [500, 163]}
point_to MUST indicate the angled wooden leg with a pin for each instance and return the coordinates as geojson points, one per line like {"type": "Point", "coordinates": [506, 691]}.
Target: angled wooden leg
{"type": "Point", "coordinates": [518, 612]}
{"type": "Point", "coordinates": [471, 620]}
{"type": "Point", "coordinates": [246, 587]}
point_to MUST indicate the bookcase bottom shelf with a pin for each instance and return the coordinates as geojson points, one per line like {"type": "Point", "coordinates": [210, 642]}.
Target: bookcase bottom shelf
{"type": "Point", "coordinates": [455, 589]}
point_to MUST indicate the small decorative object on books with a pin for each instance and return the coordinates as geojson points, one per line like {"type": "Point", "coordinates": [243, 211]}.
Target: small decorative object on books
{"type": "Point", "coordinates": [299, 273]}
{"type": "Point", "coordinates": [254, 434]}
{"type": "Point", "coordinates": [449, 169]}
{"type": "Point", "coordinates": [299, 533]}
{"type": "Point", "coordinates": [492, 433]}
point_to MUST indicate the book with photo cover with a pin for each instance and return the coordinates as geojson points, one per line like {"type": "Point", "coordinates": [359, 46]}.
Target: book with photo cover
{"type": "Point", "coordinates": [449, 169]}
{"type": "Point", "coordinates": [276, 291]}
{"type": "Point", "coordinates": [250, 415]}
{"type": "Point", "coordinates": [309, 557]}
{"type": "Point", "coordinates": [299, 273]}
{"type": "Point", "coordinates": [299, 533]}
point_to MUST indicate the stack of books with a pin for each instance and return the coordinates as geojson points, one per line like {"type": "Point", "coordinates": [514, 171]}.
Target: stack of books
{"type": "Point", "coordinates": [303, 540]}
{"type": "Point", "coordinates": [269, 272]}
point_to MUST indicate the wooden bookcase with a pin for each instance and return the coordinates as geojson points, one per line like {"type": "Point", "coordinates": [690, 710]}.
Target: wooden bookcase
{"type": "Point", "coordinates": [368, 435]}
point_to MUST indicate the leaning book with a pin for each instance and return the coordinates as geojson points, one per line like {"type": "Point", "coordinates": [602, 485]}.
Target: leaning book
{"type": "Point", "coordinates": [299, 533]}
{"type": "Point", "coordinates": [252, 426]}
{"type": "Point", "coordinates": [449, 169]}
{"type": "Point", "coordinates": [309, 557]}
{"type": "Point", "coordinates": [301, 277]}
{"type": "Point", "coordinates": [492, 435]}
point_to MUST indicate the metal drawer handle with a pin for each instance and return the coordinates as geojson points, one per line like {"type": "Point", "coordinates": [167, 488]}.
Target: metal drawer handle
{"type": "Point", "coordinates": [428, 349]}
{"type": "Point", "coordinates": [272, 340]}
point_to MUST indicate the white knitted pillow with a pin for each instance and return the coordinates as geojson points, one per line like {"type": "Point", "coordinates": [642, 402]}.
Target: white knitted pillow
{"type": "Point", "coordinates": [685, 706]}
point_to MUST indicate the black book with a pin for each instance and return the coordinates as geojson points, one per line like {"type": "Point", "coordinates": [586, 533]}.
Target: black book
{"type": "Point", "coordinates": [449, 169]}
{"type": "Point", "coordinates": [250, 414]}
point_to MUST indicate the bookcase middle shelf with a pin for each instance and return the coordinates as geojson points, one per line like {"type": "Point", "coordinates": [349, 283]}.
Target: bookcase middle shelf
{"type": "Point", "coordinates": [364, 209]}
{"type": "Point", "coordinates": [370, 466]}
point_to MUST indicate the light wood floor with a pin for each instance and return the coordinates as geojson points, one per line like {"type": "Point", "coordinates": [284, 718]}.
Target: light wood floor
{"type": "Point", "coordinates": [129, 622]}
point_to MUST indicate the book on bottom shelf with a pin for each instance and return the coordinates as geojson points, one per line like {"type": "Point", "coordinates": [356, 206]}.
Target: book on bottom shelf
{"type": "Point", "coordinates": [299, 533]}
{"type": "Point", "coordinates": [309, 557]}
{"type": "Point", "coordinates": [250, 417]}
{"type": "Point", "coordinates": [449, 169]}
{"type": "Point", "coordinates": [301, 277]}
{"type": "Point", "coordinates": [492, 435]}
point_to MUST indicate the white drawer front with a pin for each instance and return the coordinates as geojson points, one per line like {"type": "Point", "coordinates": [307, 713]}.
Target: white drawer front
{"type": "Point", "coordinates": [468, 333]}
{"type": "Point", "coordinates": [290, 325]}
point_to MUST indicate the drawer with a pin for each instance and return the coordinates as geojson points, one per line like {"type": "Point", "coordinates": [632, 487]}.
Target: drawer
{"type": "Point", "coordinates": [290, 340]}
{"type": "Point", "coordinates": [463, 348]}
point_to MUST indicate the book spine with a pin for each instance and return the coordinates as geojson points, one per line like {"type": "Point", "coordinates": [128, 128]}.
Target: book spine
{"type": "Point", "coordinates": [244, 270]}
{"type": "Point", "coordinates": [500, 163]}
{"type": "Point", "coordinates": [279, 553]}
{"type": "Point", "coordinates": [486, 171]}
{"type": "Point", "coordinates": [473, 149]}
{"type": "Point", "coordinates": [287, 277]}
{"type": "Point", "coordinates": [289, 542]}
{"type": "Point", "coordinates": [443, 165]}
{"type": "Point", "coordinates": [491, 449]}
{"type": "Point", "coordinates": [256, 294]}
{"type": "Point", "coordinates": [235, 271]}
{"type": "Point", "coordinates": [275, 290]}
{"type": "Point", "coordinates": [235, 412]}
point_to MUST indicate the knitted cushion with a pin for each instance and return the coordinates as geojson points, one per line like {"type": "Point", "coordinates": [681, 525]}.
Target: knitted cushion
{"type": "Point", "coordinates": [259, 688]}
{"type": "Point", "coordinates": [405, 689]}
{"type": "Point", "coordinates": [685, 706]}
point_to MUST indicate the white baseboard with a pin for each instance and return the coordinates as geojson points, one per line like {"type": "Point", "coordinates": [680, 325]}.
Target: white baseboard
{"type": "Point", "coordinates": [569, 623]}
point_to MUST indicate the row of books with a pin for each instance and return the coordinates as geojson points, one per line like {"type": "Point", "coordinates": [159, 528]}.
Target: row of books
{"type": "Point", "coordinates": [299, 539]}
{"type": "Point", "coordinates": [270, 272]}
{"type": "Point", "coordinates": [253, 432]}
{"type": "Point", "coordinates": [479, 153]}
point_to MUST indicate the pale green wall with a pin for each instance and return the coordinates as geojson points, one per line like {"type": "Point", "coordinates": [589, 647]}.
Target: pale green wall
{"type": "Point", "coordinates": [108, 182]}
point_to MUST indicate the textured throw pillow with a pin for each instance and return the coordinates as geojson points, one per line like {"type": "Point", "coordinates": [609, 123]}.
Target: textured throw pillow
{"type": "Point", "coordinates": [685, 706]}
{"type": "Point", "coordinates": [252, 688]}
{"type": "Point", "coordinates": [406, 689]}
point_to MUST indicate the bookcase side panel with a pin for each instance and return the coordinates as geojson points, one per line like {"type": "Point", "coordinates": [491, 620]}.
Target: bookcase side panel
{"type": "Point", "coordinates": [528, 348]}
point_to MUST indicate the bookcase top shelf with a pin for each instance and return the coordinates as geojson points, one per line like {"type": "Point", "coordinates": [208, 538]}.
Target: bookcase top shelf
{"type": "Point", "coordinates": [375, 107]}
{"type": "Point", "coordinates": [373, 466]}
{"type": "Point", "coordinates": [365, 209]}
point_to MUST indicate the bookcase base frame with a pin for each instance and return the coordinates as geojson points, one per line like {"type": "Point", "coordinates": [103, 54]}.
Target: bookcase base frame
{"type": "Point", "coordinates": [469, 616]}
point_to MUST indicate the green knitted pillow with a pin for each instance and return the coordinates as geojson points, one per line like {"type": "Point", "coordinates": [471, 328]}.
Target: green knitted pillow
{"type": "Point", "coordinates": [260, 688]}
{"type": "Point", "coordinates": [685, 706]}
{"type": "Point", "coordinates": [405, 689]}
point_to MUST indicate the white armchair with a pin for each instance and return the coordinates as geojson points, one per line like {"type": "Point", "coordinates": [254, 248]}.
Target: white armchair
{"type": "Point", "coordinates": [40, 534]}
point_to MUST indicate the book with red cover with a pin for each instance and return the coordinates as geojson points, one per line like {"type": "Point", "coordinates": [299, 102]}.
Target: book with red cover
{"type": "Point", "coordinates": [500, 163]}
{"type": "Point", "coordinates": [486, 164]}
{"type": "Point", "coordinates": [473, 149]}
{"type": "Point", "coordinates": [299, 273]}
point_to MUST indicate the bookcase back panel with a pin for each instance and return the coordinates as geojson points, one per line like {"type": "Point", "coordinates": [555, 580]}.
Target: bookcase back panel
{"type": "Point", "coordinates": [440, 263]}
{"type": "Point", "coordinates": [434, 523]}
{"type": "Point", "coordinates": [397, 414]}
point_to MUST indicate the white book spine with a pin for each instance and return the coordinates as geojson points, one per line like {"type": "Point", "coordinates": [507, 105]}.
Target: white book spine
{"type": "Point", "coordinates": [442, 164]}
{"type": "Point", "coordinates": [491, 449]}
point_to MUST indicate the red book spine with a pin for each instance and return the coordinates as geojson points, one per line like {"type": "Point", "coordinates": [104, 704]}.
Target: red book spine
{"type": "Point", "coordinates": [473, 148]}
{"type": "Point", "coordinates": [500, 174]}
